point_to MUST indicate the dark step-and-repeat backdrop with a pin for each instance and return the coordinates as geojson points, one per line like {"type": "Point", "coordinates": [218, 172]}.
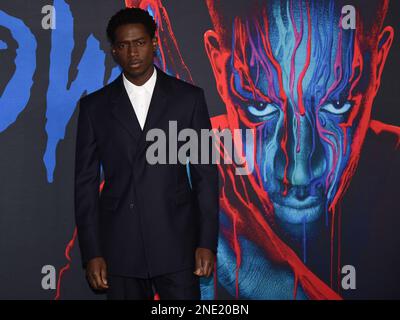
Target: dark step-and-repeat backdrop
{"type": "Point", "coordinates": [318, 214]}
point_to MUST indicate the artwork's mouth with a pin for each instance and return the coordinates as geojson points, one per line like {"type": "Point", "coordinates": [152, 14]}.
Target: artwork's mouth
{"type": "Point", "coordinates": [296, 211]}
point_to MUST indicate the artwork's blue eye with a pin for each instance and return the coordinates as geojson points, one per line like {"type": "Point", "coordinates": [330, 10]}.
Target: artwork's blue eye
{"type": "Point", "coordinates": [336, 108]}
{"type": "Point", "coordinates": [262, 109]}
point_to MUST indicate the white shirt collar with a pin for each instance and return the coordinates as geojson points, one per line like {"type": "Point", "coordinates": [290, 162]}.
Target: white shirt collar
{"type": "Point", "coordinates": [148, 86]}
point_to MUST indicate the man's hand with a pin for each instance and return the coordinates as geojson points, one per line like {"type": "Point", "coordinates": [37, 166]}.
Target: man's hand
{"type": "Point", "coordinates": [96, 273]}
{"type": "Point", "coordinates": [205, 260]}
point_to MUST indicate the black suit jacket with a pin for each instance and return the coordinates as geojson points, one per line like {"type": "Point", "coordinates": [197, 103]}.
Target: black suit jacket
{"type": "Point", "coordinates": [147, 221]}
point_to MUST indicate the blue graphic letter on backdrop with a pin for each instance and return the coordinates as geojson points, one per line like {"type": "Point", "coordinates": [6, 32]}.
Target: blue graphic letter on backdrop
{"type": "Point", "coordinates": [61, 102]}
{"type": "Point", "coordinates": [16, 94]}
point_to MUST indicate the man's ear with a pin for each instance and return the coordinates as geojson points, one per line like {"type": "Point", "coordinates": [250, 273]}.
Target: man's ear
{"type": "Point", "coordinates": [113, 54]}
{"type": "Point", "coordinates": [385, 41]}
{"type": "Point", "coordinates": [155, 43]}
{"type": "Point", "coordinates": [217, 59]}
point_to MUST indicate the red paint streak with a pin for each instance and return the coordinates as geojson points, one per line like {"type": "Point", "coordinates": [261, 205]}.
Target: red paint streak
{"type": "Point", "coordinates": [298, 35]}
{"type": "Point", "coordinates": [307, 64]}
{"type": "Point", "coordinates": [356, 72]}
{"type": "Point", "coordinates": [378, 127]}
{"type": "Point", "coordinates": [283, 97]}
{"type": "Point", "coordinates": [240, 58]}
{"type": "Point", "coordinates": [68, 249]}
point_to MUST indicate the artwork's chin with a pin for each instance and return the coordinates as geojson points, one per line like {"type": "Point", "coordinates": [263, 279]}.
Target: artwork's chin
{"type": "Point", "coordinates": [299, 214]}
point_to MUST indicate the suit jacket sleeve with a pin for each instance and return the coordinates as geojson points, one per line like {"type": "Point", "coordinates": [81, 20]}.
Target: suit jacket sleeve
{"type": "Point", "coordinates": [87, 179]}
{"type": "Point", "coordinates": [204, 178]}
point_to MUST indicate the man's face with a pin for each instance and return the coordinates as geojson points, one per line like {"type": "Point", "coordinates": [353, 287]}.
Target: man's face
{"type": "Point", "coordinates": [302, 82]}
{"type": "Point", "coordinates": [134, 49]}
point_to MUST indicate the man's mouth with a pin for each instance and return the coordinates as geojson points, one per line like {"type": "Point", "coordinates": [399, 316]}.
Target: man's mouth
{"type": "Point", "coordinates": [134, 63]}
{"type": "Point", "coordinates": [295, 211]}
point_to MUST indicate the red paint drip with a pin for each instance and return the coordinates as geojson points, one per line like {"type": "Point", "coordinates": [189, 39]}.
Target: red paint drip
{"type": "Point", "coordinates": [68, 249]}
{"type": "Point", "coordinates": [307, 64]}
{"type": "Point", "coordinates": [378, 127]}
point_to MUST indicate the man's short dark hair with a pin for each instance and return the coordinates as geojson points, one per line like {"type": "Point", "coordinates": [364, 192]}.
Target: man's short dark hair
{"type": "Point", "coordinates": [131, 15]}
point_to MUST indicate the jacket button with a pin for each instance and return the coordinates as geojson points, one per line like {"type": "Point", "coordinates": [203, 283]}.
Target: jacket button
{"type": "Point", "coordinates": [131, 205]}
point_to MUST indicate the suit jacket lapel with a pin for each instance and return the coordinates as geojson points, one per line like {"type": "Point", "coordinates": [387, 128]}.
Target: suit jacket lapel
{"type": "Point", "coordinates": [157, 106]}
{"type": "Point", "coordinates": [122, 108]}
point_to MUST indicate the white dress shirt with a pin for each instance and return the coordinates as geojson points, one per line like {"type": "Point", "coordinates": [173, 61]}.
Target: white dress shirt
{"type": "Point", "coordinates": [140, 96]}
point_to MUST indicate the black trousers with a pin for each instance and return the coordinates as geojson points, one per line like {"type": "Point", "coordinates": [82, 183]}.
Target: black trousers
{"type": "Point", "coordinates": [181, 285]}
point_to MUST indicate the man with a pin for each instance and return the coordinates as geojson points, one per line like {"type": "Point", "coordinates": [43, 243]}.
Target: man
{"type": "Point", "coordinates": [151, 226]}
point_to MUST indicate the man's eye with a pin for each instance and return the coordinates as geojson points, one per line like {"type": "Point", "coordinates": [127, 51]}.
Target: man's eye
{"type": "Point", "coordinates": [141, 43]}
{"type": "Point", "coordinates": [336, 108]}
{"type": "Point", "coordinates": [121, 46]}
{"type": "Point", "coordinates": [262, 109]}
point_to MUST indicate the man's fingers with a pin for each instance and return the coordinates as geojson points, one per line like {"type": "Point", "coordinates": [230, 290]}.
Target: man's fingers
{"type": "Point", "coordinates": [96, 273]}
{"type": "Point", "coordinates": [204, 263]}
{"type": "Point", "coordinates": [199, 263]}
{"type": "Point", "coordinates": [103, 275]}
{"type": "Point", "coordinates": [205, 268]}
{"type": "Point", "coordinates": [199, 272]}
{"type": "Point", "coordinates": [199, 266]}
{"type": "Point", "coordinates": [97, 282]}
{"type": "Point", "coordinates": [92, 281]}
{"type": "Point", "coordinates": [208, 268]}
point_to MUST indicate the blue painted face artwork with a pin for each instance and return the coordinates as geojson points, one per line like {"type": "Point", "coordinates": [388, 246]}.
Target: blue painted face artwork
{"type": "Point", "coordinates": [290, 71]}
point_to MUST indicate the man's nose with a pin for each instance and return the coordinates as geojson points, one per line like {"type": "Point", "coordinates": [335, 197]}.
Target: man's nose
{"type": "Point", "coordinates": [303, 157]}
{"type": "Point", "coordinates": [133, 50]}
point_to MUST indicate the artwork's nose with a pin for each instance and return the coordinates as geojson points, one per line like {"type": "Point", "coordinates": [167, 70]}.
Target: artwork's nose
{"type": "Point", "coordinates": [302, 160]}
